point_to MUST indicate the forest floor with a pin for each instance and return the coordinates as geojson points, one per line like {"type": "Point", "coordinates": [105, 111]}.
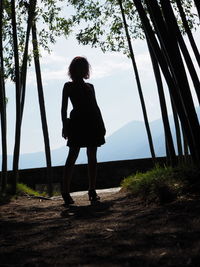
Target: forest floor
{"type": "Point", "coordinates": [119, 231]}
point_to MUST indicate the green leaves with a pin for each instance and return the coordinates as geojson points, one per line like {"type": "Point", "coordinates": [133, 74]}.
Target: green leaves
{"type": "Point", "coordinates": [100, 23]}
{"type": "Point", "coordinates": [51, 23]}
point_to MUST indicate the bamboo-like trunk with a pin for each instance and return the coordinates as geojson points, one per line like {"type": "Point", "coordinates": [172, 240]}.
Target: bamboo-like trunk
{"type": "Point", "coordinates": [42, 107]}
{"type": "Point", "coordinates": [175, 59]}
{"type": "Point", "coordinates": [178, 132]}
{"type": "Point", "coordinates": [146, 121]}
{"type": "Point", "coordinates": [18, 109]}
{"type": "Point", "coordinates": [197, 3]}
{"type": "Point", "coordinates": [31, 13]}
{"type": "Point", "coordinates": [170, 151]}
{"type": "Point", "coordinates": [185, 52]}
{"type": "Point", "coordinates": [3, 107]}
{"type": "Point", "coordinates": [188, 31]}
{"type": "Point", "coordinates": [168, 76]}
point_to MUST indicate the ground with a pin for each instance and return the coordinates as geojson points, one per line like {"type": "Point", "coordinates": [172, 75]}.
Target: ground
{"type": "Point", "coordinates": [119, 231]}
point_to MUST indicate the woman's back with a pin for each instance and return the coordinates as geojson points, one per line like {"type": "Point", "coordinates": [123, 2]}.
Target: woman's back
{"type": "Point", "coordinates": [82, 96]}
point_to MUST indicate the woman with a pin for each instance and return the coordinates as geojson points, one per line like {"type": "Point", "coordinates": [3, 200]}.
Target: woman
{"type": "Point", "coordinates": [85, 128]}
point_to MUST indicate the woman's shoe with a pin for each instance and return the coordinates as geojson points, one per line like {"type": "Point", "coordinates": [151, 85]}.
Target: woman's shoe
{"type": "Point", "coordinates": [67, 198]}
{"type": "Point", "coordinates": [93, 197]}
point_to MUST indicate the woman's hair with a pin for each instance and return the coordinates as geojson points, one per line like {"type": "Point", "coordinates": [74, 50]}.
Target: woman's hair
{"type": "Point", "coordinates": [79, 68]}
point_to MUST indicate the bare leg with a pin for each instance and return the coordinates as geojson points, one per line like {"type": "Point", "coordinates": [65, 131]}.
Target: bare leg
{"type": "Point", "coordinates": [68, 170]}
{"type": "Point", "coordinates": [92, 166]}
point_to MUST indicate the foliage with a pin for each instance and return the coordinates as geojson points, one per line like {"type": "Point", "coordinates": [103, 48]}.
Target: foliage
{"type": "Point", "coordinates": [163, 184]}
{"type": "Point", "coordinates": [22, 190]}
{"type": "Point", "coordinates": [100, 22]}
{"type": "Point", "coordinates": [103, 26]}
{"type": "Point", "coordinates": [51, 23]}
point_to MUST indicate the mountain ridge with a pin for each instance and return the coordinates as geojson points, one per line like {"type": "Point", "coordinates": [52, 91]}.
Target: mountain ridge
{"type": "Point", "coordinates": [128, 142]}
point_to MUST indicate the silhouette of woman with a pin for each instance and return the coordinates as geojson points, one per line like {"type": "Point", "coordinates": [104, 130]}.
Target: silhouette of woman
{"type": "Point", "coordinates": [85, 128]}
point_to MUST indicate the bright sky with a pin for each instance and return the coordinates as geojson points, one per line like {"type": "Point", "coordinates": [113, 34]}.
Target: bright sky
{"type": "Point", "coordinates": [114, 81]}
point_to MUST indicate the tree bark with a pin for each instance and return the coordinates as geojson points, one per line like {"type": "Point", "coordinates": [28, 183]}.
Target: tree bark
{"type": "Point", "coordinates": [170, 151]}
{"type": "Point", "coordinates": [31, 14]}
{"type": "Point", "coordinates": [188, 31]}
{"type": "Point", "coordinates": [172, 85]}
{"type": "Point", "coordinates": [3, 107]}
{"type": "Point", "coordinates": [178, 132]}
{"type": "Point", "coordinates": [180, 40]}
{"type": "Point", "coordinates": [18, 109]}
{"type": "Point", "coordinates": [42, 107]}
{"type": "Point", "coordinates": [197, 3]}
{"type": "Point", "coordinates": [180, 75]}
{"type": "Point", "coordinates": [138, 83]}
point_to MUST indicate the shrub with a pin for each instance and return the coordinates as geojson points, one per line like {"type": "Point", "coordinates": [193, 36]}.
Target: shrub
{"type": "Point", "coordinates": [163, 184]}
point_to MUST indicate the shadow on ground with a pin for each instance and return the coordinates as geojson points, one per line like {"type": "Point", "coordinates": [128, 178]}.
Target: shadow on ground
{"type": "Point", "coordinates": [119, 231]}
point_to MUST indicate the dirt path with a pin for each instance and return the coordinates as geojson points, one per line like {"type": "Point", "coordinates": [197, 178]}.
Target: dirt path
{"type": "Point", "coordinates": [119, 231]}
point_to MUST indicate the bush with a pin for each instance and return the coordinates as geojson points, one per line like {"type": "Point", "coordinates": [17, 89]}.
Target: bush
{"type": "Point", "coordinates": [22, 190]}
{"type": "Point", "coordinates": [163, 184]}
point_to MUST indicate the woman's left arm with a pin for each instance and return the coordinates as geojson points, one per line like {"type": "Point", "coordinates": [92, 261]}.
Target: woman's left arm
{"type": "Point", "coordinates": [64, 106]}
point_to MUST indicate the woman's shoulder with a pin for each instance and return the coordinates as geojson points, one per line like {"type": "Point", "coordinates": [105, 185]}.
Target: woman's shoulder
{"type": "Point", "coordinates": [67, 87]}
{"type": "Point", "coordinates": [90, 85]}
{"type": "Point", "coordinates": [68, 84]}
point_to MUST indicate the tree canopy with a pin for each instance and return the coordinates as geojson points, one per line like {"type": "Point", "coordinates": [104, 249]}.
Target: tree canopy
{"type": "Point", "coordinates": [100, 22]}
{"type": "Point", "coordinates": [51, 23]}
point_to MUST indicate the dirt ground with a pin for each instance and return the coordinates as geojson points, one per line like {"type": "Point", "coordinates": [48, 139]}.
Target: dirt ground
{"type": "Point", "coordinates": [118, 231]}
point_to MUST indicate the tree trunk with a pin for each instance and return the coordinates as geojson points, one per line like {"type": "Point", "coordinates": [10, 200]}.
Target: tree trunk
{"type": "Point", "coordinates": [175, 59]}
{"type": "Point", "coordinates": [18, 109]}
{"type": "Point", "coordinates": [170, 151]}
{"type": "Point", "coordinates": [168, 76]}
{"type": "Point", "coordinates": [3, 107]}
{"type": "Point", "coordinates": [197, 3]}
{"type": "Point", "coordinates": [178, 132]}
{"type": "Point", "coordinates": [42, 108]}
{"type": "Point", "coordinates": [138, 83]}
{"type": "Point", "coordinates": [31, 13]}
{"type": "Point", "coordinates": [188, 31]}
{"type": "Point", "coordinates": [184, 49]}
{"type": "Point", "coordinates": [185, 146]}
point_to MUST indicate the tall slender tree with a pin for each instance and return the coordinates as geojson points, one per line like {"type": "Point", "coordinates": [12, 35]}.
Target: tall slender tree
{"type": "Point", "coordinates": [31, 13]}
{"type": "Point", "coordinates": [183, 47]}
{"type": "Point", "coordinates": [21, 86]}
{"type": "Point", "coordinates": [188, 31]}
{"type": "Point", "coordinates": [42, 106]}
{"type": "Point", "coordinates": [181, 77]}
{"type": "Point", "coordinates": [168, 76]}
{"type": "Point", "coordinates": [18, 107]}
{"type": "Point", "coordinates": [178, 130]}
{"type": "Point", "coordinates": [18, 21]}
{"type": "Point", "coordinates": [197, 3]}
{"type": "Point", "coordinates": [146, 121]}
{"type": "Point", "coordinates": [170, 151]}
{"type": "Point", "coordinates": [3, 105]}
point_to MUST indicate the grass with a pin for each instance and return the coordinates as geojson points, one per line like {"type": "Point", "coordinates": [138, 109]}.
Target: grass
{"type": "Point", "coordinates": [22, 190]}
{"type": "Point", "coordinates": [164, 184]}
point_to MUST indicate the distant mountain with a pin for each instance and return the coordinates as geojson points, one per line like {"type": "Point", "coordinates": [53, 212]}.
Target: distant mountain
{"type": "Point", "coordinates": [129, 142]}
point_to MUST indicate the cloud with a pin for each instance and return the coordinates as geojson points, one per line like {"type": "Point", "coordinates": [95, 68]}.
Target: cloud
{"type": "Point", "coordinates": [54, 66]}
{"type": "Point", "coordinates": [52, 58]}
{"type": "Point", "coordinates": [48, 74]}
{"type": "Point", "coordinates": [105, 65]}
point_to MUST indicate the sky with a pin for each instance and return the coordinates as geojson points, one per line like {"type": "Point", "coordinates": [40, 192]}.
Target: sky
{"type": "Point", "coordinates": [115, 87]}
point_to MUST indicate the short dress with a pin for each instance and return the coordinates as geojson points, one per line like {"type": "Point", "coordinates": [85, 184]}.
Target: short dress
{"type": "Point", "coordinates": [86, 126]}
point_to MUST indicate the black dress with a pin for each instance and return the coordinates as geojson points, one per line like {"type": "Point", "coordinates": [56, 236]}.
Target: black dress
{"type": "Point", "coordinates": [86, 127]}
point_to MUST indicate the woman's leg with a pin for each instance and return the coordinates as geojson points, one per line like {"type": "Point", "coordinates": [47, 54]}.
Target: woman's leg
{"type": "Point", "coordinates": [68, 169]}
{"type": "Point", "coordinates": [92, 166]}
